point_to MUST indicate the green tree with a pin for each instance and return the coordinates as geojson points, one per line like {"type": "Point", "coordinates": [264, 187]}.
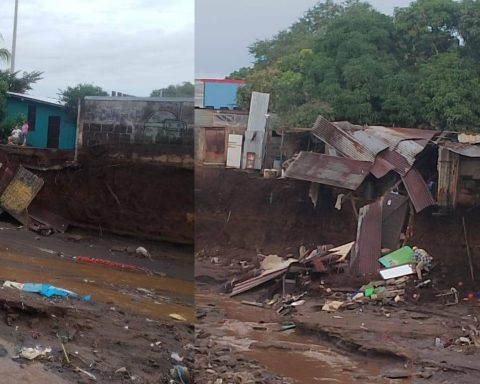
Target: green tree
{"type": "Point", "coordinates": [71, 95]}
{"type": "Point", "coordinates": [239, 74]}
{"type": "Point", "coordinates": [4, 53]}
{"type": "Point", "coordinates": [347, 61]}
{"type": "Point", "coordinates": [186, 89]}
{"type": "Point", "coordinates": [20, 84]}
{"type": "Point", "coordinates": [450, 92]}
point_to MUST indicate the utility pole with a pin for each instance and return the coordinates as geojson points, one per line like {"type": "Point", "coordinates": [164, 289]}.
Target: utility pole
{"type": "Point", "coordinates": [14, 39]}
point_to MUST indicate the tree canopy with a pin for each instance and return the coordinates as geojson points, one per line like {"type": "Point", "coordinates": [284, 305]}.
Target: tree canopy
{"type": "Point", "coordinates": [71, 95]}
{"type": "Point", "coordinates": [186, 89]}
{"type": "Point", "coordinates": [419, 67]}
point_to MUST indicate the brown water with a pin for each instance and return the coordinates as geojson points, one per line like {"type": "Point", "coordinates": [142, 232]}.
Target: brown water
{"type": "Point", "coordinates": [288, 354]}
{"type": "Point", "coordinates": [103, 283]}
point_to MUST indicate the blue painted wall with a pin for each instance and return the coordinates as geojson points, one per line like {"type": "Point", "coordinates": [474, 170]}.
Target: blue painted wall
{"type": "Point", "coordinates": [220, 95]}
{"type": "Point", "coordinates": [38, 137]}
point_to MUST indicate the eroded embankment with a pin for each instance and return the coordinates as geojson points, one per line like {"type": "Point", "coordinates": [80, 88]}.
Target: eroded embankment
{"type": "Point", "coordinates": [242, 213]}
{"type": "Point", "coordinates": [124, 197]}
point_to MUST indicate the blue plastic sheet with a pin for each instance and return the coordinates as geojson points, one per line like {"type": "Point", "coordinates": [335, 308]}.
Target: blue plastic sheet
{"type": "Point", "coordinates": [48, 290]}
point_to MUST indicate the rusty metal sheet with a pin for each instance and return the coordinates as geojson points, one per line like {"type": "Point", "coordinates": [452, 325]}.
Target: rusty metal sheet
{"type": "Point", "coordinates": [393, 136]}
{"type": "Point", "coordinates": [20, 192]}
{"type": "Point", "coordinates": [341, 140]}
{"type": "Point", "coordinates": [417, 190]}
{"type": "Point", "coordinates": [399, 163]}
{"type": "Point", "coordinates": [394, 213]}
{"type": "Point", "coordinates": [329, 170]}
{"type": "Point", "coordinates": [409, 149]}
{"type": "Point", "coordinates": [381, 166]}
{"type": "Point", "coordinates": [371, 141]}
{"type": "Point", "coordinates": [415, 133]}
{"type": "Point", "coordinates": [463, 149]}
{"type": "Point", "coordinates": [48, 218]}
{"type": "Point", "coordinates": [368, 246]}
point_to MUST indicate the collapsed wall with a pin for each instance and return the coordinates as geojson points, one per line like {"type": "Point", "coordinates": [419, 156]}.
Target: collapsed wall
{"type": "Point", "coordinates": [242, 213]}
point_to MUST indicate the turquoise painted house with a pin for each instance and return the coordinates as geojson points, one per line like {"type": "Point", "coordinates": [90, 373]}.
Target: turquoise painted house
{"type": "Point", "coordinates": [48, 124]}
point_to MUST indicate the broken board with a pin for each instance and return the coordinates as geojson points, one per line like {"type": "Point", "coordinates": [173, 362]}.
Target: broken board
{"type": "Point", "coordinates": [398, 271]}
{"type": "Point", "coordinates": [19, 193]}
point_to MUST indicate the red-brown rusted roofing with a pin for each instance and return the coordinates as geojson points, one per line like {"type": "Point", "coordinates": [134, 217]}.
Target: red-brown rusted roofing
{"type": "Point", "coordinates": [367, 249]}
{"type": "Point", "coordinates": [417, 190]}
{"type": "Point", "coordinates": [330, 170]}
{"type": "Point", "coordinates": [395, 160]}
{"type": "Point", "coordinates": [396, 147]}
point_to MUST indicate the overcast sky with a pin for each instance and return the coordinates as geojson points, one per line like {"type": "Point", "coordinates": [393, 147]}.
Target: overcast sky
{"type": "Point", "coordinates": [131, 46]}
{"type": "Point", "coordinates": [225, 28]}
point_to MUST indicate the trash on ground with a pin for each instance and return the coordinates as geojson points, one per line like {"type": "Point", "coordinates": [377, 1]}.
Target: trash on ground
{"type": "Point", "coordinates": [108, 263]}
{"type": "Point", "coordinates": [33, 353]}
{"type": "Point", "coordinates": [178, 317]}
{"type": "Point", "coordinates": [141, 251]}
{"type": "Point", "coordinates": [46, 290]}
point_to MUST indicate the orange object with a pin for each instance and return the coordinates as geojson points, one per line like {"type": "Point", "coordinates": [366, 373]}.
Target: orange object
{"type": "Point", "coordinates": [108, 263]}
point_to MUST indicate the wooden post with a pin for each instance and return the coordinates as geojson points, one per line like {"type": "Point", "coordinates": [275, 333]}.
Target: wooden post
{"type": "Point", "coordinates": [469, 255]}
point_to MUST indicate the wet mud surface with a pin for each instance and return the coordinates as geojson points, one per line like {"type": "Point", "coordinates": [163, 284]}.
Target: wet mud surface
{"type": "Point", "coordinates": [124, 334]}
{"type": "Point", "coordinates": [241, 215]}
{"type": "Point", "coordinates": [246, 343]}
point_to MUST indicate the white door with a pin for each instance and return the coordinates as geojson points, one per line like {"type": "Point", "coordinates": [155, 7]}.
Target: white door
{"type": "Point", "coordinates": [234, 151]}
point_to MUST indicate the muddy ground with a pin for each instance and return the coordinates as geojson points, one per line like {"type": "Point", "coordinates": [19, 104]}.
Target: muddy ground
{"type": "Point", "coordinates": [124, 334]}
{"type": "Point", "coordinates": [240, 214]}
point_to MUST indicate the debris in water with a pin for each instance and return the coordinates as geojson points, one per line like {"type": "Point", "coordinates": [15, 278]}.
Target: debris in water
{"type": "Point", "coordinates": [178, 317]}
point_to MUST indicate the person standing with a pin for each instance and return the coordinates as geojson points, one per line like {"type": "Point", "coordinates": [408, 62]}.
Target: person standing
{"type": "Point", "coordinates": [24, 132]}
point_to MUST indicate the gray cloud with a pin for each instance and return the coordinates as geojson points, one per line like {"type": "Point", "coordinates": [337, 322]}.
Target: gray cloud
{"type": "Point", "coordinates": [225, 28]}
{"type": "Point", "coordinates": [131, 46]}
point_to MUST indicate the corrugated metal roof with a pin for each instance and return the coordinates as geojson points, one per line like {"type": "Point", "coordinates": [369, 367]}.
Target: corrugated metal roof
{"type": "Point", "coordinates": [368, 246]}
{"type": "Point", "coordinates": [342, 141]}
{"type": "Point", "coordinates": [463, 149]}
{"type": "Point", "coordinates": [399, 163]}
{"type": "Point", "coordinates": [381, 167]}
{"type": "Point", "coordinates": [329, 170]}
{"type": "Point", "coordinates": [417, 190]}
{"type": "Point", "coordinates": [45, 100]}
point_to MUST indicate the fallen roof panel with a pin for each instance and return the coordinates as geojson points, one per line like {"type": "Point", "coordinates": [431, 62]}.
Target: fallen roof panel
{"type": "Point", "coordinates": [330, 170]}
{"type": "Point", "coordinates": [341, 140]}
{"type": "Point", "coordinates": [368, 245]}
{"type": "Point", "coordinates": [417, 190]}
{"type": "Point", "coordinates": [463, 149]}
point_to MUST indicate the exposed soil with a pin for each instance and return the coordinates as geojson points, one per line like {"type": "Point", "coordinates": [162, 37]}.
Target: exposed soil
{"type": "Point", "coordinates": [122, 196]}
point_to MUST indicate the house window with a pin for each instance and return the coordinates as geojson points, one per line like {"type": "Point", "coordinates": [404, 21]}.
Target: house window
{"type": "Point", "coordinates": [32, 117]}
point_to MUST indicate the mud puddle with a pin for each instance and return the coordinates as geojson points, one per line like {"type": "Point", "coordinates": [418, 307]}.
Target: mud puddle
{"type": "Point", "coordinates": [255, 333]}
{"type": "Point", "coordinates": [149, 295]}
